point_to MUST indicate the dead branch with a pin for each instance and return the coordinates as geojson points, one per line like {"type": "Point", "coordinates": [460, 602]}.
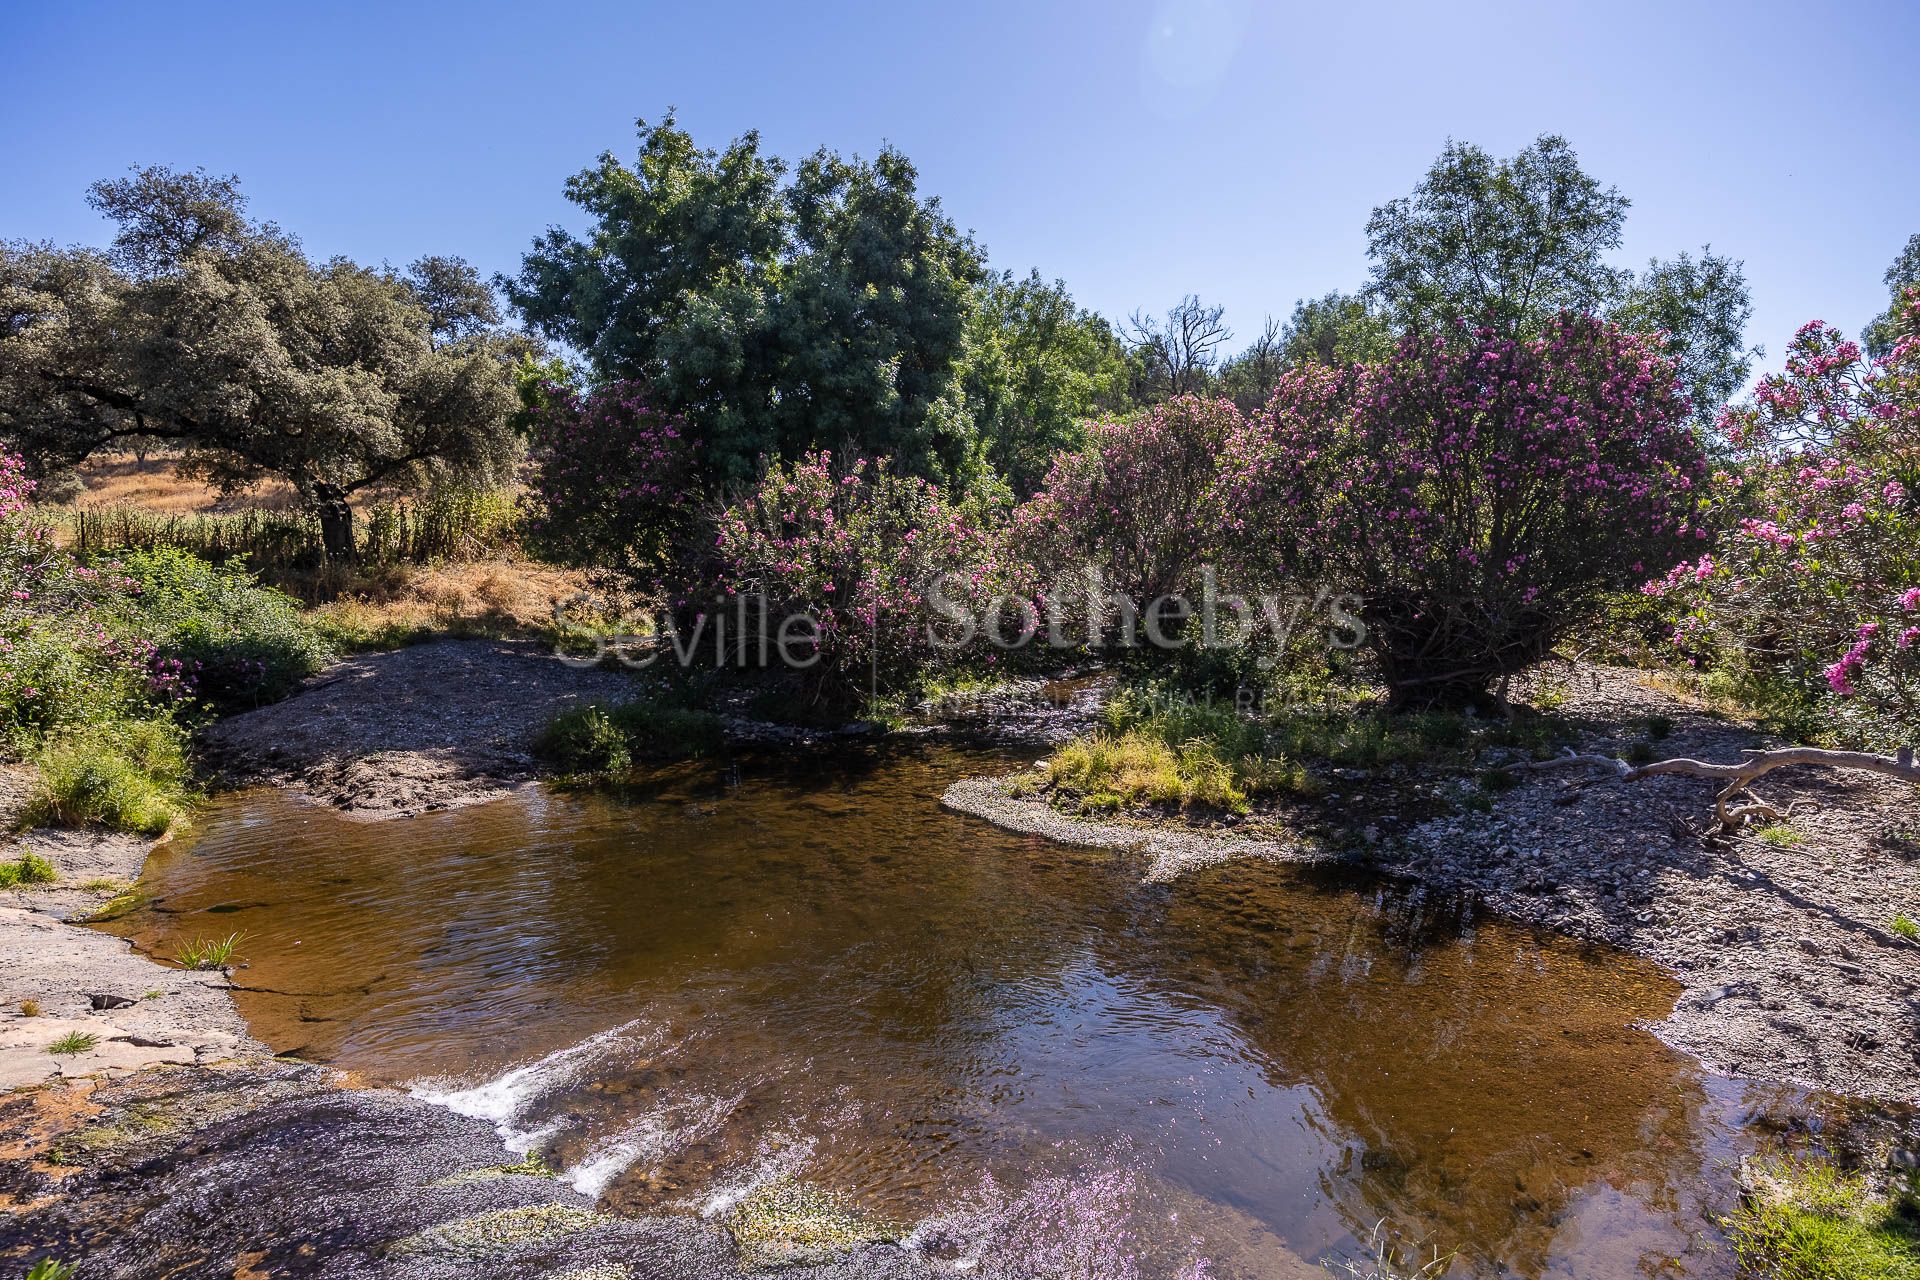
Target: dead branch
{"type": "Point", "coordinates": [1741, 775]}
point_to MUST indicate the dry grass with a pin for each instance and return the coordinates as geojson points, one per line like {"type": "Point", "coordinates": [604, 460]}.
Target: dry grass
{"type": "Point", "coordinates": [121, 479]}
{"type": "Point", "coordinates": [505, 596]}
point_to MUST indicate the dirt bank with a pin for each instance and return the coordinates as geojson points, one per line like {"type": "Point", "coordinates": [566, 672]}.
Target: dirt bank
{"type": "Point", "coordinates": [1783, 944]}
{"type": "Point", "coordinates": [435, 726]}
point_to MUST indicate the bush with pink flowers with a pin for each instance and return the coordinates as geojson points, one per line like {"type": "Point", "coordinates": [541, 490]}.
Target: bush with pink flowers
{"type": "Point", "coordinates": [863, 567]}
{"type": "Point", "coordinates": [1812, 591]}
{"type": "Point", "coordinates": [1140, 503]}
{"type": "Point", "coordinates": [611, 481]}
{"type": "Point", "coordinates": [1481, 494]}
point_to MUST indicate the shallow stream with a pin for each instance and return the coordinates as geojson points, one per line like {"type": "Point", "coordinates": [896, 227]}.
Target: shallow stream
{"type": "Point", "coordinates": [808, 969]}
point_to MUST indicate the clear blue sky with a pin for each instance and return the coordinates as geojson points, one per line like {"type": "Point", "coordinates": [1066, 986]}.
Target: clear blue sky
{"type": "Point", "coordinates": [1139, 150]}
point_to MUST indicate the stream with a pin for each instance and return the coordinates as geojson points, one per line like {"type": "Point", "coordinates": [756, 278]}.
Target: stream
{"type": "Point", "coordinates": [805, 968]}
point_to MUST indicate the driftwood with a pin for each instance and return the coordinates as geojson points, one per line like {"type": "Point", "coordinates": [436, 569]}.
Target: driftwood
{"type": "Point", "coordinates": [1741, 775]}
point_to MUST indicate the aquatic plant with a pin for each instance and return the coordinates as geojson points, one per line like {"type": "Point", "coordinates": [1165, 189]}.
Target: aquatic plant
{"type": "Point", "coordinates": [208, 953]}
{"type": "Point", "coordinates": [73, 1042]}
{"type": "Point", "coordinates": [595, 740]}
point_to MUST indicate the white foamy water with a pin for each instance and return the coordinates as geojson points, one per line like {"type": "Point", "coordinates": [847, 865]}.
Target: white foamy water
{"type": "Point", "coordinates": [506, 1099]}
{"type": "Point", "coordinates": [778, 1157]}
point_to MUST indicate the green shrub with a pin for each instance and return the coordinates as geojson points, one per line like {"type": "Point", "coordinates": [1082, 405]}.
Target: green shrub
{"type": "Point", "coordinates": [597, 740]}
{"type": "Point", "coordinates": [130, 775]}
{"type": "Point", "coordinates": [237, 644]}
{"type": "Point", "coordinates": [28, 868]}
{"type": "Point", "coordinates": [1807, 1221]}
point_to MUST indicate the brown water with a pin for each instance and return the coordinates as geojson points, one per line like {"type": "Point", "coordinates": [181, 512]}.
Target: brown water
{"type": "Point", "coordinates": [811, 969]}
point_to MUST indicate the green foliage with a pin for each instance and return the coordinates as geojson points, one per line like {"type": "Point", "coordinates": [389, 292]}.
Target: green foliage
{"type": "Point", "coordinates": [73, 1042]}
{"type": "Point", "coordinates": [130, 775]}
{"type": "Point", "coordinates": [236, 644]}
{"type": "Point", "coordinates": [1168, 750]}
{"type": "Point", "coordinates": [1779, 835]}
{"type": "Point", "coordinates": [827, 310]}
{"type": "Point", "coordinates": [221, 334]}
{"type": "Point", "coordinates": [1506, 242]}
{"type": "Point", "coordinates": [208, 953]}
{"type": "Point", "coordinates": [1886, 328]}
{"type": "Point", "coordinates": [1702, 307]}
{"type": "Point", "coordinates": [48, 1269]}
{"type": "Point", "coordinates": [1335, 329]}
{"type": "Point", "coordinates": [1904, 926]}
{"type": "Point", "coordinates": [1036, 365]}
{"type": "Point", "coordinates": [595, 740]}
{"type": "Point", "coordinates": [1807, 1221]}
{"type": "Point", "coordinates": [28, 868]}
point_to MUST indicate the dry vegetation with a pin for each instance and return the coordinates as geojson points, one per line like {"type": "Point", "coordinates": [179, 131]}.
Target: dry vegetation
{"type": "Point", "coordinates": [363, 607]}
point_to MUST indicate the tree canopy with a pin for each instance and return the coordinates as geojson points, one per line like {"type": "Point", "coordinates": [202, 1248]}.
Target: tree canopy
{"type": "Point", "coordinates": [1886, 328]}
{"type": "Point", "coordinates": [1037, 367]}
{"type": "Point", "coordinates": [774, 314]}
{"type": "Point", "coordinates": [205, 329]}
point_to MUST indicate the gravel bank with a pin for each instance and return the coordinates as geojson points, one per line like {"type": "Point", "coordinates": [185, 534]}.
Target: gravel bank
{"type": "Point", "coordinates": [1784, 946]}
{"type": "Point", "coordinates": [435, 726]}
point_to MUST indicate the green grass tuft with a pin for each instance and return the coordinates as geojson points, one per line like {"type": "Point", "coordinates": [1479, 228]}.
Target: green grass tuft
{"type": "Point", "coordinates": [28, 868]}
{"type": "Point", "coordinates": [130, 775]}
{"type": "Point", "coordinates": [595, 740]}
{"type": "Point", "coordinates": [1778, 834]}
{"type": "Point", "coordinates": [1807, 1221]}
{"type": "Point", "coordinates": [73, 1042]}
{"type": "Point", "coordinates": [208, 953]}
{"type": "Point", "coordinates": [1904, 926]}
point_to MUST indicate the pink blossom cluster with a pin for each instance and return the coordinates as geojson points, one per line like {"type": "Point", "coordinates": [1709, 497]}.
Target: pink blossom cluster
{"type": "Point", "coordinates": [1480, 492]}
{"type": "Point", "coordinates": [1817, 569]}
{"type": "Point", "coordinates": [609, 478]}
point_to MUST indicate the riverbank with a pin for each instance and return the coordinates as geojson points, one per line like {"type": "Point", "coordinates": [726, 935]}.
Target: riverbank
{"type": "Point", "coordinates": [1783, 938]}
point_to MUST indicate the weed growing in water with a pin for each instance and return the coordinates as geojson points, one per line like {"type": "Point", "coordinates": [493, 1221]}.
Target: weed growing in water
{"type": "Point", "coordinates": [208, 953]}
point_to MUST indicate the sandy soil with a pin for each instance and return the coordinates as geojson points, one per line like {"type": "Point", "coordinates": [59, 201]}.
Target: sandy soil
{"type": "Point", "coordinates": [1790, 967]}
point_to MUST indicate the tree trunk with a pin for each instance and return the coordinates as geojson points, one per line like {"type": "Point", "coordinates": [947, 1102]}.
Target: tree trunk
{"type": "Point", "coordinates": [336, 521]}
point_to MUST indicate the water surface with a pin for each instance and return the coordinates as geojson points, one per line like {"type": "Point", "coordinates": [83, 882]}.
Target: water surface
{"type": "Point", "coordinates": [808, 968]}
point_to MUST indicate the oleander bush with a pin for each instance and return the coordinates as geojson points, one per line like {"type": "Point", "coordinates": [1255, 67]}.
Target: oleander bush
{"type": "Point", "coordinates": [1482, 495]}
{"type": "Point", "coordinates": [1809, 601]}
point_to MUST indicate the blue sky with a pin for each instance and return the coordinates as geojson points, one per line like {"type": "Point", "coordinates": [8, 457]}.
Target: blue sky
{"type": "Point", "coordinates": [1140, 150]}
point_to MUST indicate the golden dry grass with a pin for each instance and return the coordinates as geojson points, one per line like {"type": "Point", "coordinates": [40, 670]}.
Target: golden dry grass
{"type": "Point", "coordinates": [119, 479]}
{"type": "Point", "coordinates": [503, 596]}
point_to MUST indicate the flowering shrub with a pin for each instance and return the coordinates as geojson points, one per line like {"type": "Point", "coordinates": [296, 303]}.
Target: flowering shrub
{"type": "Point", "coordinates": [862, 551]}
{"type": "Point", "coordinates": [1481, 494]}
{"type": "Point", "coordinates": [610, 479]}
{"type": "Point", "coordinates": [1814, 583]}
{"type": "Point", "coordinates": [1141, 502]}
{"type": "Point", "coordinates": [60, 663]}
